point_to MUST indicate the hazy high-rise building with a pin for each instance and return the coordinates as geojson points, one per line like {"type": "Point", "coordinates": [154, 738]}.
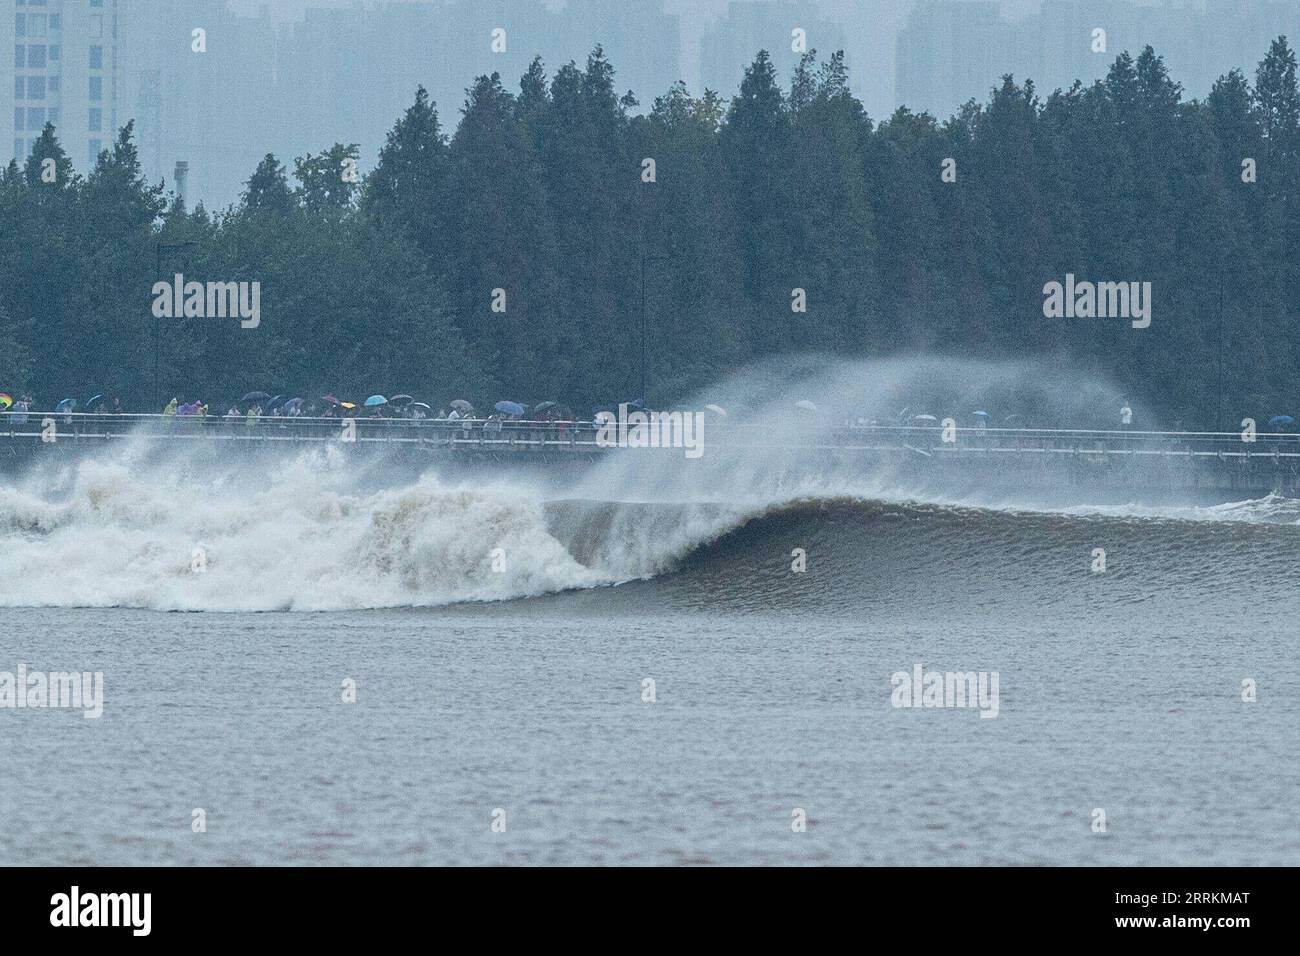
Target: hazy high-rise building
{"type": "Point", "coordinates": [345, 74]}
{"type": "Point", "coordinates": [198, 81]}
{"type": "Point", "coordinates": [65, 70]}
{"type": "Point", "coordinates": [948, 53]}
{"type": "Point", "coordinates": [731, 44]}
{"type": "Point", "coordinates": [218, 89]}
{"type": "Point", "coordinates": [951, 51]}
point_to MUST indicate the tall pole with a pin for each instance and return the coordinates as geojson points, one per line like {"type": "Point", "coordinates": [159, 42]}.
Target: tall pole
{"type": "Point", "coordinates": [1220, 403]}
{"type": "Point", "coordinates": [646, 257]}
{"type": "Point", "coordinates": [189, 244]}
{"type": "Point", "coordinates": [641, 396]}
{"type": "Point", "coordinates": [158, 274]}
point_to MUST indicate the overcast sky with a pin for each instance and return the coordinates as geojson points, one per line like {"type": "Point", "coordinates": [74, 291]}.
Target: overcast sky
{"type": "Point", "coordinates": [294, 89]}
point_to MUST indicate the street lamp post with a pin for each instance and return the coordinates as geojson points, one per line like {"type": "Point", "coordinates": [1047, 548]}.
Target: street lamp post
{"type": "Point", "coordinates": [1219, 411]}
{"type": "Point", "coordinates": [157, 397]}
{"type": "Point", "coordinates": [646, 258]}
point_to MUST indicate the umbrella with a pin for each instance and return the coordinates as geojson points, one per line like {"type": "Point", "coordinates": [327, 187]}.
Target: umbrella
{"type": "Point", "coordinates": [277, 402]}
{"type": "Point", "coordinates": [806, 405]}
{"type": "Point", "coordinates": [331, 399]}
{"type": "Point", "coordinates": [1010, 419]}
{"type": "Point", "coordinates": [347, 404]}
{"type": "Point", "coordinates": [509, 408]}
{"type": "Point", "coordinates": [981, 414]}
{"type": "Point", "coordinates": [292, 403]}
{"type": "Point", "coordinates": [716, 409]}
{"type": "Point", "coordinates": [401, 400]}
{"type": "Point", "coordinates": [462, 406]}
{"type": "Point", "coordinates": [67, 405]}
{"type": "Point", "coordinates": [553, 411]}
{"type": "Point", "coordinates": [6, 400]}
{"type": "Point", "coordinates": [1281, 420]}
{"type": "Point", "coordinates": [420, 405]}
{"type": "Point", "coordinates": [924, 418]}
{"type": "Point", "coordinates": [375, 401]}
{"type": "Point", "coordinates": [255, 397]}
{"type": "Point", "coordinates": [97, 400]}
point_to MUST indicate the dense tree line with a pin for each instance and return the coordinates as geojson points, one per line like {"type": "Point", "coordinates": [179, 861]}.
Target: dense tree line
{"type": "Point", "coordinates": [385, 282]}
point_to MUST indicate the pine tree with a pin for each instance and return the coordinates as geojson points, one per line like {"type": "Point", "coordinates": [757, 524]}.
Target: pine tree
{"type": "Point", "coordinates": [403, 191]}
{"type": "Point", "coordinates": [268, 190]}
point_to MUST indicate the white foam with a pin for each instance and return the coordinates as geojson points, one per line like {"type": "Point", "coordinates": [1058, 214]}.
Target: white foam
{"type": "Point", "coordinates": [119, 534]}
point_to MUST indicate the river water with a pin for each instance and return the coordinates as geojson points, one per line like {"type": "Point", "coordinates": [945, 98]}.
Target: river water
{"type": "Point", "coordinates": [561, 676]}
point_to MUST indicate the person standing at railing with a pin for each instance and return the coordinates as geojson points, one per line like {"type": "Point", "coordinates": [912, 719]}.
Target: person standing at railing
{"type": "Point", "coordinates": [1126, 416]}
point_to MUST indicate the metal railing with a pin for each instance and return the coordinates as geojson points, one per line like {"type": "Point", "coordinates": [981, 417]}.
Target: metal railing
{"type": "Point", "coordinates": [267, 428]}
{"type": "Point", "coordinates": [924, 440]}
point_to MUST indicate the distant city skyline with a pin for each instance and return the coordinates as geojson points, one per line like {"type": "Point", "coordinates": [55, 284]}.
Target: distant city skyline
{"type": "Point", "coordinates": [294, 76]}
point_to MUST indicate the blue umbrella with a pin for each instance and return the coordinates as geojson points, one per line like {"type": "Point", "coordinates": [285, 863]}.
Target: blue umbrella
{"type": "Point", "coordinates": [1275, 420]}
{"type": "Point", "coordinates": [509, 408]}
{"type": "Point", "coordinates": [981, 414]}
{"type": "Point", "coordinates": [375, 400]}
{"type": "Point", "coordinates": [67, 405]}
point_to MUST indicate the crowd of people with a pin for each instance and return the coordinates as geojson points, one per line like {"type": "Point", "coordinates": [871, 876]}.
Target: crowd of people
{"type": "Point", "coordinates": [256, 406]}
{"type": "Point", "coordinates": [280, 407]}
{"type": "Point", "coordinates": [26, 404]}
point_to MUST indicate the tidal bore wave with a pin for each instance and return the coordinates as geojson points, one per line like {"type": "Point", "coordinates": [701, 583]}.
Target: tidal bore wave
{"type": "Point", "coordinates": [314, 536]}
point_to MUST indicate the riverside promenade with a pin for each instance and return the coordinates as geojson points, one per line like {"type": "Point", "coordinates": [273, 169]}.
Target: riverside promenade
{"type": "Point", "coordinates": [1219, 462]}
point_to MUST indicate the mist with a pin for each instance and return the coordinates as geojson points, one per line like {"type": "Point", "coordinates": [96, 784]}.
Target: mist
{"type": "Point", "coordinates": [294, 76]}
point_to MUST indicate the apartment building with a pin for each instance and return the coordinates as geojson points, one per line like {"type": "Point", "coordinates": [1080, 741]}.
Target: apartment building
{"type": "Point", "coordinates": [64, 58]}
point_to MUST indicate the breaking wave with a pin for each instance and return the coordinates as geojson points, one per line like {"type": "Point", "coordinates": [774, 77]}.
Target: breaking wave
{"type": "Point", "coordinates": [141, 526]}
{"type": "Point", "coordinates": [312, 535]}
{"type": "Point", "coordinates": [305, 537]}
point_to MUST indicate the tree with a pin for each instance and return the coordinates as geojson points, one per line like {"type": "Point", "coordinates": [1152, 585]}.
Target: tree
{"type": "Point", "coordinates": [404, 190]}
{"type": "Point", "coordinates": [328, 182]}
{"type": "Point", "coordinates": [268, 188]}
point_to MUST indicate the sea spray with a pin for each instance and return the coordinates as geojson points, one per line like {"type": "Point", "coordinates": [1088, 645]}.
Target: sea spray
{"type": "Point", "coordinates": [294, 540]}
{"type": "Point", "coordinates": [315, 531]}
